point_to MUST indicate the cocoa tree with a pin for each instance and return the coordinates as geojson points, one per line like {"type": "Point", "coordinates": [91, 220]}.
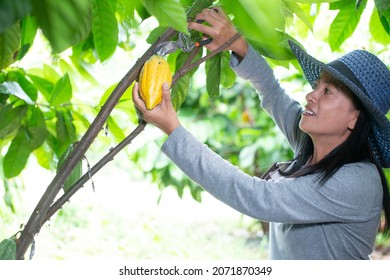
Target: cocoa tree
{"type": "Point", "coordinates": [28, 127]}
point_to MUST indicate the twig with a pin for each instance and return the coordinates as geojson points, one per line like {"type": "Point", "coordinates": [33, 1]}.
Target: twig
{"type": "Point", "coordinates": [87, 176]}
{"type": "Point", "coordinates": [187, 67]}
{"type": "Point", "coordinates": [35, 221]}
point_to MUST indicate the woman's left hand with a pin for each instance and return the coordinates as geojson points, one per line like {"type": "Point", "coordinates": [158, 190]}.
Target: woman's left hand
{"type": "Point", "coordinates": [163, 115]}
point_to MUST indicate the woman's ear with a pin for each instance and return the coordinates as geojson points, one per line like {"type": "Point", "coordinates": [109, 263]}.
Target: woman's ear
{"type": "Point", "coordinates": [352, 122]}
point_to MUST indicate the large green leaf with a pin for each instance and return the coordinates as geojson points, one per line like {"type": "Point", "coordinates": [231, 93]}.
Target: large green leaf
{"type": "Point", "coordinates": [104, 29]}
{"type": "Point", "coordinates": [258, 20]}
{"type": "Point", "coordinates": [13, 88]}
{"type": "Point", "coordinates": [64, 23]}
{"type": "Point", "coordinates": [26, 90]}
{"type": "Point", "coordinates": [293, 7]}
{"type": "Point", "coordinates": [44, 156]}
{"type": "Point", "coordinates": [17, 155]}
{"type": "Point", "coordinates": [316, 1]}
{"type": "Point", "coordinates": [344, 24]}
{"type": "Point", "coordinates": [383, 7]}
{"type": "Point", "coordinates": [36, 128]}
{"type": "Point", "coordinates": [213, 78]}
{"type": "Point", "coordinates": [8, 249]}
{"type": "Point", "coordinates": [377, 31]}
{"type": "Point", "coordinates": [198, 6]}
{"type": "Point", "coordinates": [228, 76]}
{"type": "Point", "coordinates": [62, 91]}
{"type": "Point", "coordinates": [43, 85]}
{"type": "Point", "coordinates": [12, 11]}
{"type": "Point", "coordinates": [114, 129]}
{"type": "Point", "coordinates": [168, 13]}
{"type": "Point", "coordinates": [11, 119]}
{"type": "Point", "coordinates": [180, 89]}
{"type": "Point", "coordinates": [9, 45]}
{"type": "Point", "coordinates": [263, 24]}
{"type": "Point", "coordinates": [29, 30]}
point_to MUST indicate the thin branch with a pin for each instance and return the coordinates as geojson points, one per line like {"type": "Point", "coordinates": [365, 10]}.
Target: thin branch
{"type": "Point", "coordinates": [87, 176]}
{"type": "Point", "coordinates": [188, 67]}
{"type": "Point", "coordinates": [35, 221]}
{"type": "Point", "coordinates": [45, 209]}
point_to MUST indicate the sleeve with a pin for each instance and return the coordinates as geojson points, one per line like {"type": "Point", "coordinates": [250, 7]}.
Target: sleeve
{"type": "Point", "coordinates": [348, 196]}
{"type": "Point", "coordinates": [285, 111]}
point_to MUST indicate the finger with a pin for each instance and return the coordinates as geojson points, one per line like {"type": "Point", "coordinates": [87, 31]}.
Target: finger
{"type": "Point", "coordinates": [139, 103]}
{"type": "Point", "coordinates": [166, 94]}
{"type": "Point", "coordinates": [208, 30]}
{"type": "Point", "coordinates": [209, 15]}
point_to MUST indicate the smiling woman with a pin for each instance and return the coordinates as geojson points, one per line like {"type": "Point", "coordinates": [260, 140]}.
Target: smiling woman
{"type": "Point", "coordinates": [327, 202]}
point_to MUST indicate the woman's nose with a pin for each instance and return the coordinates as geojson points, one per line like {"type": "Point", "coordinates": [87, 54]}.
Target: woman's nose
{"type": "Point", "coordinates": [312, 96]}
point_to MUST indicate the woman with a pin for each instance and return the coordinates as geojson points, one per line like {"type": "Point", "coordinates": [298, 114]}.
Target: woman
{"type": "Point", "coordinates": [326, 203]}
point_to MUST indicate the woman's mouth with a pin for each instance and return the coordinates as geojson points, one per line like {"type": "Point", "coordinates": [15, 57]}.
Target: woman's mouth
{"type": "Point", "coordinates": [308, 112]}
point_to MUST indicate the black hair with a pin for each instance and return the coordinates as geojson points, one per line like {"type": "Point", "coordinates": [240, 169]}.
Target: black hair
{"type": "Point", "coordinates": [354, 149]}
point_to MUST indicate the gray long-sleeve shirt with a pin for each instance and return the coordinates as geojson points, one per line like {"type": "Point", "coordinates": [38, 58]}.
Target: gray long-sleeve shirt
{"type": "Point", "coordinates": [336, 220]}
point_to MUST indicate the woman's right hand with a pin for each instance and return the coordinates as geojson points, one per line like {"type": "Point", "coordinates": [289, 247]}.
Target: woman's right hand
{"type": "Point", "coordinates": [221, 29]}
{"type": "Point", "coordinates": [163, 115]}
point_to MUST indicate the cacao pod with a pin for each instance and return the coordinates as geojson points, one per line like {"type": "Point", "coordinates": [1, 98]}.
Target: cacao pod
{"type": "Point", "coordinates": [153, 74]}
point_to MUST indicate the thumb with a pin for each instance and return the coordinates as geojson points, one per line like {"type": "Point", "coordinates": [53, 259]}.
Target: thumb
{"type": "Point", "coordinates": [166, 94]}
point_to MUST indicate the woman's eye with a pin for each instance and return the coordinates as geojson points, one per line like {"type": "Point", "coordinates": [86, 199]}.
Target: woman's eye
{"type": "Point", "coordinates": [327, 91]}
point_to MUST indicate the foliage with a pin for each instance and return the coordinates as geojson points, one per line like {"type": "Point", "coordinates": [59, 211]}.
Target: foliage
{"type": "Point", "coordinates": [40, 106]}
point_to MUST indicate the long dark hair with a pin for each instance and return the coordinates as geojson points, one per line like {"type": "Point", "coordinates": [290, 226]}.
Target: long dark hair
{"type": "Point", "coordinates": [354, 149]}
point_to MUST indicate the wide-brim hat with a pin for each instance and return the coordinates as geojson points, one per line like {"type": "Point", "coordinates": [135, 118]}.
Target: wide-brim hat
{"type": "Point", "coordinates": [369, 79]}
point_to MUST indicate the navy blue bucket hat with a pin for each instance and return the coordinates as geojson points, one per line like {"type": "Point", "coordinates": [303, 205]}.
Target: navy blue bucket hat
{"type": "Point", "coordinates": [369, 79]}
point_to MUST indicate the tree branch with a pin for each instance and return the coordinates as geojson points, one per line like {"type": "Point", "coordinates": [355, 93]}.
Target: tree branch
{"type": "Point", "coordinates": [99, 165]}
{"type": "Point", "coordinates": [45, 209]}
{"type": "Point", "coordinates": [38, 215]}
{"type": "Point", "coordinates": [188, 67]}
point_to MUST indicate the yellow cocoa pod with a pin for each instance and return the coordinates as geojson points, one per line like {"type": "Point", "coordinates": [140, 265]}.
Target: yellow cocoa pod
{"type": "Point", "coordinates": [153, 74]}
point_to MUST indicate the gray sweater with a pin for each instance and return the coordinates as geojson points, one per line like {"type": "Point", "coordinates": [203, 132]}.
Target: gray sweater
{"type": "Point", "coordinates": [335, 220]}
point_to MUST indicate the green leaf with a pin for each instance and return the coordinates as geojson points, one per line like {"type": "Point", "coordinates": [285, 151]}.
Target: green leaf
{"type": "Point", "coordinates": [29, 30]}
{"type": "Point", "coordinates": [9, 45]}
{"type": "Point", "coordinates": [27, 91]}
{"type": "Point", "coordinates": [62, 91]}
{"type": "Point", "coordinates": [114, 128]}
{"type": "Point", "coordinates": [17, 155]}
{"type": "Point", "coordinates": [315, 1]}
{"type": "Point", "coordinates": [36, 128]}
{"type": "Point", "coordinates": [11, 119]}
{"type": "Point", "coordinates": [377, 31]}
{"type": "Point", "coordinates": [180, 89]}
{"type": "Point", "coordinates": [213, 75]}
{"type": "Point", "coordinates": [383, 7]}
{"type": "Point", "coordinates": [8, 249]}
{"type": "Point", "coordinates": [228, 76]}
{"type": "Point", "coordinates": [65, 130]}
{"type": "Point", "coordinates": [64, 23]}
{"type": "Point", "coordinates": [153, 36]}
{"type": "Point", "coordinates": [294, 8]}
{"type": "Point", "coordinates": [43, 85]}
{"type": "Point", "coordinates": [168, 13]}
{"type": "Point", "coordinates": [12, 11]}
{"type": "Point", "coordinates": [76, 173]}
{"type": "Point", "coordinates": [344, 24]}
{"type": "Point", "coordinates": [104, 29]}
{"type": "Point", "coordinates": [44, 156]}
{"type": "Point", "coordinates": [278, 50]}
{"type": "Point", "coordinates": [13, 88]}
{"type": "Point", "coordinates": [198, 6]}
{"type": "Point", "coordinates": [259, 20]}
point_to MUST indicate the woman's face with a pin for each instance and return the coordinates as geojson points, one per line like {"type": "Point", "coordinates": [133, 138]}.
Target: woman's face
{"type": "Point", "coordinates": [329, 115]}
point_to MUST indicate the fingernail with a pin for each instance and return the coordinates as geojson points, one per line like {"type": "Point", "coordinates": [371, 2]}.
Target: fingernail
{"type": "Point", "coordinates": [165, 85]}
